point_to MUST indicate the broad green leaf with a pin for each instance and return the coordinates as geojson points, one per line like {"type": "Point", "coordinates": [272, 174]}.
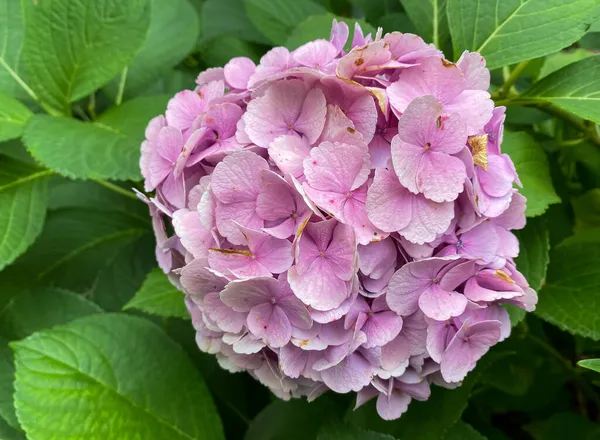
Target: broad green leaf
{"type": "Point", "coordinates": [110, 376]}
{"type": "Point", "coordinates": [13, 116]}
{"type": "Point", "coordinates": [592, 364]}
{"type": "Point", "coordinates": [429, 17]}
{"type": "Point", "coordinates": [557, 61]}
{"type": "Point", "coordinates": [275, 19]}
{"type": "Point", "coordinates": [574, 88]}
{"type": "Point", "coordinates": [564, 425]}
{"type": "Point", "coordinates": [533, 169]}
{"type": "Point", "coordinates": [508, 31]}
{"type": "Point", "coordinates": [173, 33]}
{"type": "Point", "coordinates": [397, 21]}
{"type": "Point", "coordinates": [226, 18]}
{"type": "Point", "coordinates": [73, 47]}
{"type": "Point", "coordinates": [417, 422]}
{"type": "Point", "coordinates": [515, 314]}
{"type": "Point", "coordinates": [293, 420]}
{"type": "Point", "coordinates": [570, 299]}
{"type": "Point", "coordinates": [370, 10]}
{"type": "Point", "coordinates": [587, 210]}
{"type": "Point", "coordinates": [534, 248]}
{"type": "Point", "coordinates": [23, 197]}
{"type": "Point", "coordinates": [131, 118]}
{"type": "Point", "coordinates": [11, 42]}
{"type": "Point", "coordinates": [7, 377]}
{"type": "Point", "coordinates": [43, 308]}
{"type": "Point", "coordinates": [124, 273]}
{"type": "Point", "coordinates": [319, 26]}
{"type": "Point", "coordinates": [76, 244]}
{"type": "Point", "coordinates": [158, 296]}
{"type": "Point", "coordinates": [339, 431]}
{"type": "Point", "coordinates": [172, 82]}
{"type": "Point", "coordinates": [463, 431]}
{"type": "Point", "coordinates": [106, 149]}
{"type": "Point", "coordinates": [9, 433]}
{"type": "Point", "coordinates": [218, 52]}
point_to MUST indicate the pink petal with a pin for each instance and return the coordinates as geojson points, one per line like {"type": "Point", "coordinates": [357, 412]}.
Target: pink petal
{"type": "Point", "coordinates": [473, 68]}
{"type": "Point", "coordinates": [223, 119]}
{"type": "Point", "coordinates": [311, 120]}
{"type": "Point", "coordinates": [388, 204]}
{"type": "Point", "coordinates": [441, 305]}
{"type": "Point", "coordinates": [270, 323]}
{"type": "Point", "coordinates": [382, 328]}
{"type": "Point", "coordinates": [440, 177]}
{"type": "Point", "coordinates": [243, 295]}
{"type": "Point", "coordinates": [351, 374]}
{"type": "Point", "coordinates": [183, 108]}
{"type": "Point", "coordinates": [194, 238]}
{"type": "Point", "coordinates": [318, 287]}
{"type": "Point", "coordinates": [243, 213]}
{"type": "Point", "coordinates": [238, 177]}
{"type": "Point", "coordinates": [469, 344]}
{"type": "Point", "coordinates": [339, 128]}
{"type": "Point", "coordinates": [288, 153]}
{"type": "Point", "coordinates": [238, 71]}
{"type": "Point", "coordinates": [393, 406]}
{"type": "Point", "coordinates": [225, 317]}
{"type": "Point", "coordinates": [239, 262]}
{"type": "Point", "coordinates": [315, 54]}
{"type": "Point", "coordinates": [475, 108]}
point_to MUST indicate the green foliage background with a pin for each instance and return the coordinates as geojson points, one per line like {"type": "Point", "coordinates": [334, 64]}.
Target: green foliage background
{"type": "Point", "coordinates": [94, 340]}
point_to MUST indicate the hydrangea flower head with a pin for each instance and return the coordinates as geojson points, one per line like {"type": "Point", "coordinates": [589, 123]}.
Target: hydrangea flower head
{"type": "Point", "coordinates": [342, 220]}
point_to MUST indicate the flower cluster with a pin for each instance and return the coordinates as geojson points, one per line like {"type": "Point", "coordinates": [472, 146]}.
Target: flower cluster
{"type": "Point", "coordinates": [341, 218]}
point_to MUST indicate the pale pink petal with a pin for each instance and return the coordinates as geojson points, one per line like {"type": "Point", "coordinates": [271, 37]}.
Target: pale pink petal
{"type": "Point", "coordinates": [311, 120]}
{"type": "Point", "coordinates": [388, 203]}
{"type": "Point", "coordinates": [339, 128]}
{"type": "Point", "coordinates": [183, 108]}
{"type": "Point", "coordinates": [243, 295]}
{"type": "Point", "coordinates": [440, 177]}
{"type": "Point", "coordinates": [288, 153]}
{"type": "Point", "coordinates": [475, 108]}
{"type": "Point", "coordinates": [381, 328]}
{"type": "Point", "coordinates": [270, 323]}
{"type": "Point", "coordinates": [351, 374]}
{"type": "Point", "coordinates": [238, 177]}
{"type": "Point", "coordinates": [239, 262]}
{"type": "Point", "coordinates": [194, 238]}
{"type": "Point", "coordinates": [237, 72]}
{"type": "Point", "coordinates": [209, 75]}
{"type": "Point", "coordinates": [409, 48]}
{"type": "Point", "coordinates": [243, 213]}
{"type": "Point", "coordinates": [391, 407]}
{"type": "Point", "coordinates": [225, 317]}
{"type": "Point", "coordinates": [318, 287]}
{"type": "Point", "coordinates": [473, 68]}
{"type": "Point", "coordinates": [315, 54]}
{"type": "Point", "coordinates": [441, 305]}
{"type": "Point", "coordinates": [339, 35]}
{"type": "Point", "coordinates": [274, 61]}
{"type": "Point", "coordinates": [469, 344]}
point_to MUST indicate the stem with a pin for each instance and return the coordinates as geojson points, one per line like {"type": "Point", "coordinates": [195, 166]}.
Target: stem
{"type": "Point", "coordinates": [115, 188]}
{"type": "Point", "coordinates": [121, 90]}
{"type": "Point", "coordinates": [92, 106]}
{"type": "Point", "coordinates": [511, 79]}
{"type": "Point", "coordinates": [28, 89]}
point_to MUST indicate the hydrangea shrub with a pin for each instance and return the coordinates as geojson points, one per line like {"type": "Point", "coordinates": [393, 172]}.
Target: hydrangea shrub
{"type": "Point", "coordinates": [341, 219]}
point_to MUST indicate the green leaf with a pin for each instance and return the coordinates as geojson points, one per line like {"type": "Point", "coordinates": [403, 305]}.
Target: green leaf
{"type": "Point", "coordinates": [11, 42]}
{"type": "Point", "coordinates": [533, 169]}
{"type": "Point", "coordinates": [592, 364]}
{"type": "Point", "coordinates": [124, 273]}
{"type": "Point", "coordinates": [275, 19]}
{"type": "Point", "coordinates": [106, 149]}
{"type": "Point", "coordinates": [23, 196]}
{"type": "Point", "coordinates": [158, 296]}
{"type": "Point", "coordinates": [515, 314]}
{"type": "Point", "coordinates": [13, 116]}
{"type": "Point", "coordinates": [9, 433]}
{"type": "Point", "coordinates": [72, 48]}
{"type": "Point", "coordinates": [508, 31]}
{"type": "Point", "coordinates": [564, 425]}
{"type": "Point", "coordinates": [131, 118]}
{"type": "Point", "coordinates": [429, 16]}
{"type": "Point", "coordinates": [417, 422]}
{"type": "Point", "coordinates": [587, 210]}
{"type": "Point", "coordinates": [43, 308]}
{"type": "Point", "coordinates": [293, 420]}
{"type": "Point", "coordinates": [319, 26]}
{"type": "Point", "coordinates": [173, 33]}
{"type": "Point", "coordinates": [570, 299]}
{"type": "Point", "coordinates": [339, 431]}
{"type": "Point", "coordinates": [76, 244]}
{"type": "Point", "coordinates": [110, 376]}
{"type": "Point", "coordinates": [219, 51]}
{"type": "Point", "coordinates": [396, 21]}
{"type": "Point", "coordinates": [228, 17]}
{"type": "Point", "coordinates": [557, 61]}
{"type": "Point", "coordinates": [534, 241]}
{"type": "Point", "coordinates": [463, 431]}
{"type": "Point", "coordinates": [7, 377]}
{"type": "Point", "coordinates": [575, 88]}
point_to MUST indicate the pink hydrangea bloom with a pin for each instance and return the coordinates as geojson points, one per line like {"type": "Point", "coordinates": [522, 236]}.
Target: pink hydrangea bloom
{"type": "Point", "coordinates": [342, 220]}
